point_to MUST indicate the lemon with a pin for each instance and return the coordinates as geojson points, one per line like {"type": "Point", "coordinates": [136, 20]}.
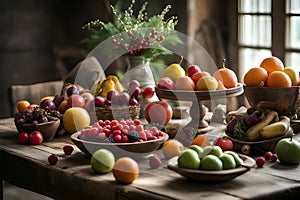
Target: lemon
{"type": "Point", "coordinates": [75, 119]}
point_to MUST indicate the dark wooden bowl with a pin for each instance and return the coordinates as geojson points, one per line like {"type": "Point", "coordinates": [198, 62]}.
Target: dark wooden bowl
{"type": "Point", "coordinates": [285, 101]}
{"type": "Point", "coordinates": [47, 129]}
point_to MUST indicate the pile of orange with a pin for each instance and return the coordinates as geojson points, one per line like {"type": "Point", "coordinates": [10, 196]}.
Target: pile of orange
{"type": "Point", "coordinates": [271, 73]}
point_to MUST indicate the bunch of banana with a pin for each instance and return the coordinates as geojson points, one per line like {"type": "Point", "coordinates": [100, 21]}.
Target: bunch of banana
{"type": "Point", "coordinates": [258, 125]}
{"type": "Point", "coordinates": [110, 83]}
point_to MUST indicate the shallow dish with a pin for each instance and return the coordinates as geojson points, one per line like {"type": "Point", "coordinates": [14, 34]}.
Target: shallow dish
{"type": "Point", "coordinates": [137, 149]}
{"type": "Point", "coordinates": [262, 145]}
{"type": "Point", "coordinates": [212, 176]}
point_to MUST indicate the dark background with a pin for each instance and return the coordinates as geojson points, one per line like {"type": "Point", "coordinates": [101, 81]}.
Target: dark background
{"type": "Point", "coordinates": [40, 40]}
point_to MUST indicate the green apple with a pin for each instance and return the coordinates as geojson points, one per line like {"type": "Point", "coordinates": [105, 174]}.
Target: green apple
{"type": "Point", "coordinates": [228, 161]}
{"type": "Point", "coordinates": [102, 161]}
{"type": "Point", "coordinates": [238, 160]}
{"type": "Point", "coordinates": [196, 148]}
{"type": "Point", "coordinates": [217, 151]}
{"type": "Point", "coordinates": [189, 159]}
{"type": "Point", "coordinates": [205, 152]}
{"type": "Point", "coordinates": [288, 151]}
{"type": "Point", "coordinates": [211, 162]}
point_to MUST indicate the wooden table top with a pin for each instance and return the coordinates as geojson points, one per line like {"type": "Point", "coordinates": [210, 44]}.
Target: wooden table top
{"type": "Point", "coordinates": [72, 177]}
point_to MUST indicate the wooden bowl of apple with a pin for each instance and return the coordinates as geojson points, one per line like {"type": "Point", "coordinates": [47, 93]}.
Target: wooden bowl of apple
{"type": "Point", "coordinates": [44, 120]}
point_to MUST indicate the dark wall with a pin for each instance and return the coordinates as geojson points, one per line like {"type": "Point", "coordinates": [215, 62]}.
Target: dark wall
{"type": "Point", "coordinates": [40, 40]}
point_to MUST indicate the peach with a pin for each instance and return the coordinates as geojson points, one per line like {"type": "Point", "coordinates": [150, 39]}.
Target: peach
{"type": "Point", "coordinates": [185, 83]}
{"type": "Point", "coordinates": [198, 75]}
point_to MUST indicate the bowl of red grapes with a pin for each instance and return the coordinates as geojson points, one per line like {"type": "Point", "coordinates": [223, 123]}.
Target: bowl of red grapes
{"type": "Point", "coordinates": [43, 119]}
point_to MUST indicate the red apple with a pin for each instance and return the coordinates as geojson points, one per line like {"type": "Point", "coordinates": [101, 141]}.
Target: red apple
{"type": "Point", "coordinates": [225, 143]}
{"type": "Point", "coordinates": [192, 69]}
{"type": "Point", "coordinates": [166, 83]}
{"type": "Point", "coordinates": [99, 101]}
{"type": "Point", "coordinates": [199, 75]}
{"type": "Point", "coordinates": [159, 112]}
{"type": "Point", "coordinates": [23, 138]}
{"type": "Point", "coordinates": [76, 100]}
{"type": "Point", "coordinates": [35, 137]}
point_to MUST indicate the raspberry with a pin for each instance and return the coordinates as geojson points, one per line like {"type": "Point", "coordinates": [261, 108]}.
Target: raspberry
{"type": "Point", "coordinates": [52, 159]}
{"type": "Point", "coordinates": [268, 155]}
{"type": "Point", "coordinates": [68, 149]}
{"type": "Point", "coordinates": [260, 161]}
{"type": "Point", "coordinates": [274, 157]}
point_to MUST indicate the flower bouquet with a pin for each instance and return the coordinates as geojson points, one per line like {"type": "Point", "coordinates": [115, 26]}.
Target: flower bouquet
{"type": "Point", "coordinates": [137, 36]}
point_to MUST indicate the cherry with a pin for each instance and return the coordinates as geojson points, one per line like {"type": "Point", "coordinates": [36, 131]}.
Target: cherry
{"type": "Point", "coordinates": [52, 159]}
{"type": "Point", "coordinates": [268, 155]}
{"type": "Point", "coordinates": [68, 149]}
{"type": "Point", "coordinates": [260, 161]}
{"type": "Point", "coordinates": [274, 157]}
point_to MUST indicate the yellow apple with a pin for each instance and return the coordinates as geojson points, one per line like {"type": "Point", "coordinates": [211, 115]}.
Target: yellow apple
{"type": "Point", "coordinates": [207, 83]}
{"type": "Point", "coordinates": [293, 74]}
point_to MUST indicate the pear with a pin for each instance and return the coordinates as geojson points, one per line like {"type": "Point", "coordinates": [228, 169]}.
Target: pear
{"type": "Point", "coordinates": [174, 71]}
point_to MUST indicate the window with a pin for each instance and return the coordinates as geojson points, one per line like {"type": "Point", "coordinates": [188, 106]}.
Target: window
{"type": "Point", "coordinates": [265, 28]}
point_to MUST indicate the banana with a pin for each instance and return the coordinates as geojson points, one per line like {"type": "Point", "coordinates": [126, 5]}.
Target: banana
{"type": "Point", "coordinates": [253, 133]}
{"type": "Point", "coordinates": [276, 129]}
{"type": "Point", "coordinates": [118, 86]}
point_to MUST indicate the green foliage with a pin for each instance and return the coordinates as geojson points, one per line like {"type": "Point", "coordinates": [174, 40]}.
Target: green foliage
{"type": "Point", "coordinates": [139, 36]}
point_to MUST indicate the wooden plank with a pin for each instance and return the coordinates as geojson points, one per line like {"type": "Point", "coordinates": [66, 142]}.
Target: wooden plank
{"type": "Point", "coordinates": [74, 176]}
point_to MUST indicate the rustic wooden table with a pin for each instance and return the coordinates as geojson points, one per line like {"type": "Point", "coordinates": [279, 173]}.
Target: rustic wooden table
{"type": "Point", "coordinates": [26, 166]}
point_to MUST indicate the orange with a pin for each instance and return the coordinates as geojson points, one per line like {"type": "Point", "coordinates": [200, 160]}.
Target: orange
{"type": "Point", "coordinates": [125, 170]}
{"type": "Point", "coordinates": [201, 140]}
{"type": "Point", "coordinates": [172, 148]}
{"type": "Point", "coordinates": [256, 76]}
{"type": "Point", "coordinates": [22, 105]}
{"type": "Point", "coordinates": [272, 64]}
{"type": "Point", "coordinates": [279, 79]}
